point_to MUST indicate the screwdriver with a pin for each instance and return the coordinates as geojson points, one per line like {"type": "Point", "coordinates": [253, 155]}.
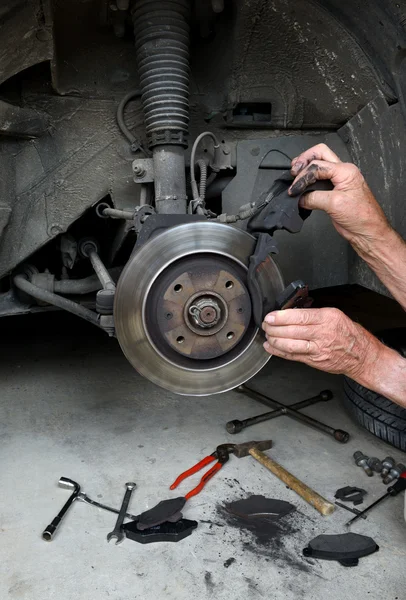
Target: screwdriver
{"type": "Point", "coordinates": [393, 490]}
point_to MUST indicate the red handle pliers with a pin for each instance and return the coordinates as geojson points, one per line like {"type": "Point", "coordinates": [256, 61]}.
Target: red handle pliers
{"type": "Point", "coordinates": [221, 453]}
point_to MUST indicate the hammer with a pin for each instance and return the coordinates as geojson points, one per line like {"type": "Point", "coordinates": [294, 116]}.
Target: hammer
{"type": "Point", "coordinates": [255, 449]}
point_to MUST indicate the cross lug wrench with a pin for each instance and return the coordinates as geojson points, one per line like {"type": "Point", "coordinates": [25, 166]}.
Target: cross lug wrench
{"type": "Point", "coordinates": [236, 426]}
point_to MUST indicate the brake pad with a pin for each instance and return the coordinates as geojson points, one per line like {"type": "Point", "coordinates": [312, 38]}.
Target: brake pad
{"type": "Point", "coordinates": [346, 548]}
{"type": "Point", "coordinates": [165, 532]}
{"type": "Point", "coordinates": [166, 510]}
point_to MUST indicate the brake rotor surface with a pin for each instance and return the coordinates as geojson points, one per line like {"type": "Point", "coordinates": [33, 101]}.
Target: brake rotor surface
{"type": "Point", "coordinates": [183, 312]}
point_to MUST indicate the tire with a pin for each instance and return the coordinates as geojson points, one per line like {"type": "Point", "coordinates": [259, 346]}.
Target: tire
{"type": "Point", "coordinates": [377, 414]}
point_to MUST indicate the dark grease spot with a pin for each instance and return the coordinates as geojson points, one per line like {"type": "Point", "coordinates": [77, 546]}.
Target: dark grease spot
{"type": "Point", "coordinates": [266, 538]}
{"type": "Point", "coordinates": [229, 562]}
{"type": "Point", "coordinates": [209, 582]}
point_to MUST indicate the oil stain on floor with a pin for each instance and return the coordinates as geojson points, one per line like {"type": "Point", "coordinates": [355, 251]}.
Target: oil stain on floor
{"type": "Point", "coordinates": [272, 538]}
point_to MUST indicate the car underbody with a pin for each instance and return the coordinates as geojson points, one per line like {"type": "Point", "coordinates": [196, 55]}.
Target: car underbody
{"type": "Point", "coordinates": [145, 146]}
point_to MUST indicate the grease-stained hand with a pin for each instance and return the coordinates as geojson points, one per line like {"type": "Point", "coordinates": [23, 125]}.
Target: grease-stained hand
{"type": "Point", "coordinates": [351, 205]}
{"type": "Point", "coordinates": [323, 338]}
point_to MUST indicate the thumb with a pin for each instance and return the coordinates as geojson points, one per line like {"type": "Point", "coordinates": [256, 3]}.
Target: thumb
{"type": "Point", "coordinates": [316, 200]}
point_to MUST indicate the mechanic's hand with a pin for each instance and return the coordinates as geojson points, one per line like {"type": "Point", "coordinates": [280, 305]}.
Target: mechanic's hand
{"type": "Point", "coordinates": [323, 338]}
{"type": "Point", "coordinates": [355, 213]}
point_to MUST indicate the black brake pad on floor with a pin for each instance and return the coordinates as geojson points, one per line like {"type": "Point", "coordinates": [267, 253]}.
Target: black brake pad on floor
{"type": "Point", "coordinates": [346, 548]}
{"type": "Point", "coordinates": [165, 532]}
{"type": "Point", "coordinates": [351, 494]}
{"type": "Point", "coordinates": [259, 506]}
{"type": "Point", "coordinates": [166, 510]}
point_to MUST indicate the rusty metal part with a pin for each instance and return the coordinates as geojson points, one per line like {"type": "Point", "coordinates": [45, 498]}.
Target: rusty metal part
{"type": "Point", "coordinates": [148, 313]}
{"type": "Point", "coordinates": [206, 308]}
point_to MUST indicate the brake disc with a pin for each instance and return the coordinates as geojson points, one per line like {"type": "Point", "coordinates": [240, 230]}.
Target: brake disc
{"type": "Point", "coordinates": [183, 312]}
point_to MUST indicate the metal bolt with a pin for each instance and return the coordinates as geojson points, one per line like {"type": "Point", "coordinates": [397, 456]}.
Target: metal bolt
{"type": "Point", "coordinates": [361, 460]}
{"type": "Point", "coordinates": [169, 315]}
{"type": "Point", "coordinates": [375, 464]}
{"type": "Point", "coordinates": [139, 171]}
{"type": "Point", "coordinates": [387, 464]}
{"type": "Point", "coordinates": [394, 473]}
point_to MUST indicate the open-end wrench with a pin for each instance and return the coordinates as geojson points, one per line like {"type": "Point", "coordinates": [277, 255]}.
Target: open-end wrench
{"type": "Point", "coordinates": [118, 532]}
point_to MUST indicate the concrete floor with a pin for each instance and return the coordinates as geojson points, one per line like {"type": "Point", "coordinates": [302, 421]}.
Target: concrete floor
{"type": "Point", "coordinates": [72, 406]}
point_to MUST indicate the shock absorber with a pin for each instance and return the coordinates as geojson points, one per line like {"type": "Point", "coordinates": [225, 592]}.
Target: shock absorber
{"type": "Point", "coordinates": [161, 29]}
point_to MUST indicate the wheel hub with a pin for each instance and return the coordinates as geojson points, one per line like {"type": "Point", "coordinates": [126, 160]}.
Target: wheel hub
{"type": "Point", "coordinates": [206, 305]}
{"type": "Point", "coordinates": [205, 311]}
{"type": "Point", "coordinates": [183, 314]}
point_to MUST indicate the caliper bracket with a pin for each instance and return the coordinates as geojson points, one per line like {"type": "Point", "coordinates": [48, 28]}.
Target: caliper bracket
{"type": "Point", "coordinates": [277, 210]}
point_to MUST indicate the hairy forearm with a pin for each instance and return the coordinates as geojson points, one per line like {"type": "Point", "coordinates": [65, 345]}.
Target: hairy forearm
{"type": "Point", "coordinates": [385, 374]}
{"type": "Point", "coordinates": [386, 255]}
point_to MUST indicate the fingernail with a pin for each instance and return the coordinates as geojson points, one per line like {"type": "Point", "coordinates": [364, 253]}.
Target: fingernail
{"type": "Point", "coordinates": [269, 319]}
{"type": "Point", "coordinates": [297, 187]}
{"type": "Point", "coordinates": [297, 167]}
{"type": "Point", "coordinates": [266, 345]}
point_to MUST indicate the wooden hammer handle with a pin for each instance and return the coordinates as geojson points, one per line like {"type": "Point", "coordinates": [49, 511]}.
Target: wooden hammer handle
{"type": "Point", "coordinates": [321, 504]}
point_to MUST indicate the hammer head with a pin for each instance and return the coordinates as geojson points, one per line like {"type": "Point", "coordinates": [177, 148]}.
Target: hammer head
{"type": "Point", "coordinates": [242, 450]}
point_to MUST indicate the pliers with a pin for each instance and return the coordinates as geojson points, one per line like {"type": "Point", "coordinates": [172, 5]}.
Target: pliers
{"type": "Point", "coordinates": [221, 453]}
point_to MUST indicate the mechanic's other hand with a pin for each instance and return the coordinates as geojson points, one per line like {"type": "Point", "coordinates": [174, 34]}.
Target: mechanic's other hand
{"type": "Point", "coordinates": [356, 214]}
{"type": "Point", "coordinates": [323, 338]}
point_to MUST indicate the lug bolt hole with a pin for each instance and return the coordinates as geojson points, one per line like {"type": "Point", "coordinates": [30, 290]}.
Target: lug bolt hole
{"type": "Point", "coordinates": [178, 288]}
{"type": "Point", "coordinates": [229, 284]}
{"type": "Point", "coordinates": [230, 335]}
{"type": "Point", "coordinates": [240, 310]}
{"type": "Point", "coordinates": [180, 339]}
{"type": "Point", "coordinates": [169, 315]}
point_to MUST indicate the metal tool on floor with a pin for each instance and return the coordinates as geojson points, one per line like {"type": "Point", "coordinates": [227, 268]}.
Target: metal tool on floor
{"type": "Point", "coordinates": [236, 426]}
{"type": "Point", "coordinates": [67, 484]}
{"type": "Point", "coordinates": [255, 449]}
{"type": "Point", "coordinates": [85, 498]}
{"type": "Point", "coordinates": [354, 511]}
{"type": "Point", "coordinates": [118, 532]}
{"type": "Point", "coordinates": [393, 490]}
{"type": "Point", "coordinates": [222, 454]}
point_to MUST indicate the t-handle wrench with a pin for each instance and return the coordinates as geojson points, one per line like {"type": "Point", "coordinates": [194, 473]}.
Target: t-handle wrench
{"type": "Point", "coordinates": [118, 532]}
{"type": "Point", "coordinates": [67, 484]}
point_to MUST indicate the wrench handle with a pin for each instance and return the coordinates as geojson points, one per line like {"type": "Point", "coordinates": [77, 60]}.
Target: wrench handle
{"type": "Point", "coordinates": [49, 531]}
{"type": "Point", "coordinates": [123, 508]}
